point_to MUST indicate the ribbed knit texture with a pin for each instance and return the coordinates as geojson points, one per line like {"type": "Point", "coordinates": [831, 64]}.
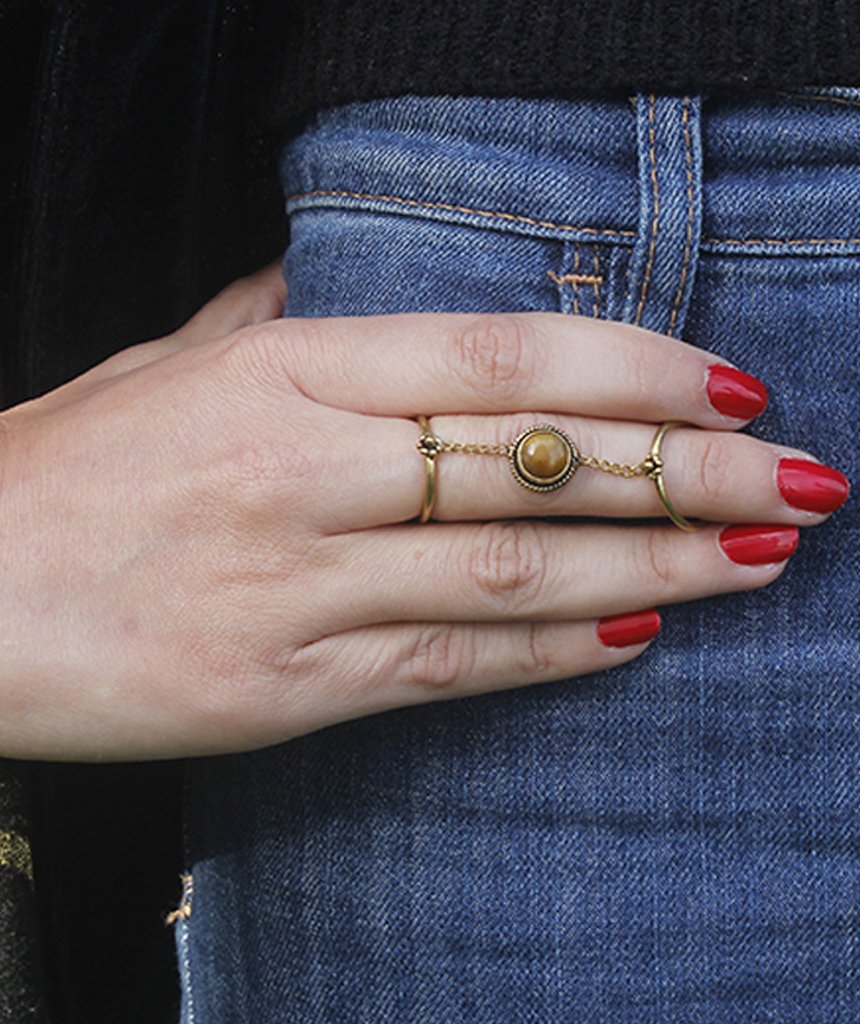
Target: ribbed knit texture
{"type": "Point", "coordinates": [337, 51]}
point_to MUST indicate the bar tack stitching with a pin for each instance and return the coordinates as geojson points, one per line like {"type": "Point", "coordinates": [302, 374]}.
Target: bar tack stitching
{"type": "Point", "coordinates": [575, 279]}
{"type": "Point", "coordinates": [655, 219]}
{"type": "Point", "coordinates": [571, 278]}
{"type": "Point", "coordinates": [596, 283]}
{"type": "Point", "coordinates": [183, 911]}
{"type": "Point", "coordinates": [688, 245]}
{"type": "Point", "coordinates": [520, 218]}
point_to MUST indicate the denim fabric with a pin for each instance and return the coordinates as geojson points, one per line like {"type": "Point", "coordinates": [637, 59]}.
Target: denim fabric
{"type": "Point", "coordinates": [671, 842]}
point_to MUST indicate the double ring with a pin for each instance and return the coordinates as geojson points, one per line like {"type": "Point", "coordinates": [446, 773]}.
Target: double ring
{"type": "Point", "coordinates": [543, 458]}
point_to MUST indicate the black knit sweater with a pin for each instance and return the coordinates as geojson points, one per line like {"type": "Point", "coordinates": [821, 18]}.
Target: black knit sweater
{"type": "Point", "coordinates": [139, 175]}
{"type": "Point", "coordinates": [338, 50]}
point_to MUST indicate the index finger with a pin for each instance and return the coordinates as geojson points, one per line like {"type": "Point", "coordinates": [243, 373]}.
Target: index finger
{"type": "Point", "coordinates": [402, 364]}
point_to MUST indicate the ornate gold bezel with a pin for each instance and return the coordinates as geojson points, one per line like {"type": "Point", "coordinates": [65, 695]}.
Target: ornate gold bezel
{"type": "Point", "coordinates": [521, 474]}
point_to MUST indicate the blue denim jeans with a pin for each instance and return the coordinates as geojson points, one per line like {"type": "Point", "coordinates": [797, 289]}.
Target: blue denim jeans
{"type": "Point", "coordinates": [674, 841]}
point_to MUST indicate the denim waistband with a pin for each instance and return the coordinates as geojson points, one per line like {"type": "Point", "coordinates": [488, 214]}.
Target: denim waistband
{"type": "Point", "coordinates": [777, 171]}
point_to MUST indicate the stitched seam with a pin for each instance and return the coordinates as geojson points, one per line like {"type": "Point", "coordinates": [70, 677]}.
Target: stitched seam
{"type": "Point", "coordinates": [656, 194]}
{"type": "Point", "coordinates": [518, 218]}
{"type": "Point", "coordinates": [811, 96]}
{"type": "Point", "coordinates": [596, 284]}
{"type": "Point", "coordinates": [575, 284]}
{"type": "Point", "coordinates": [779, 241]}
{"type": "Point", "coordinates": [180, 918]}
{"type": "Point", "coordinates": [515, 218]}
{"type": "Point", "coordinates": [573, 278]}
{"type": "Point", "coordinates": [183, 940]}
{"type": "Point", "coordinates": [186, 851]}
{"type": "Point", "coordinates": [688, 245]}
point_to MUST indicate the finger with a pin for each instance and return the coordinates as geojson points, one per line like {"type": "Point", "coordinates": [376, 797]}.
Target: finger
{"type": "Point", "coordinates": [381, 667]}
{"type": "Point", "coordinates": [519, 570]}
{"type": "Point", "coordinates": [249, 300]}
{"type": "Point", "coordinates": [713, 475]}
{"type": "Point", "coordinates": [454, 362]}
{"type": "Point", "coordinates": [379, 476]}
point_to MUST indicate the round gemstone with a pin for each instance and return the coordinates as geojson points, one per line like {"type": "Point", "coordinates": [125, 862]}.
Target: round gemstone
{"type": "Point", "coordinates": [544, 456]}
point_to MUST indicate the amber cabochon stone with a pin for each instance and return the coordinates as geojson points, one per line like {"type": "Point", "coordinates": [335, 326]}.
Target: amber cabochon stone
{"type": "Point", "coordinates": [544, 455]}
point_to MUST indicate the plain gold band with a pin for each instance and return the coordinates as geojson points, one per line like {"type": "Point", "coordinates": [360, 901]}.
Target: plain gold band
{"type": "Point", "coordinates": [657, 476]}
{"type": "Point", "coordinates": [430, 478]}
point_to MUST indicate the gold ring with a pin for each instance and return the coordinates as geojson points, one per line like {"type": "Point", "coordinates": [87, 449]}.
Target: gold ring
{"type": "Point", "coordinates": [654, 471]}
{"type": "Point", "coordinates": [543, 458]}
{"type": "Point", "coordinates": [429, 445]}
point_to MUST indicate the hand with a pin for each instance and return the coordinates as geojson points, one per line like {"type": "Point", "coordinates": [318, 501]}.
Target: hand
{"type": "Point", "coordinates": [207, 538]}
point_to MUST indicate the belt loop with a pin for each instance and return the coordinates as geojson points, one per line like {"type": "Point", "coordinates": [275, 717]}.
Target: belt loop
{"type": "Point", "coordinates": [665, 255]}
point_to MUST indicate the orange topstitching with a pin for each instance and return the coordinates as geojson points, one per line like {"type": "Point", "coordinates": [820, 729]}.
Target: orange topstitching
{"type": "Point", "coordinates": [688, 245]}
{"type": "Point", "coordinates": [654, 220]}
{"type": "Point", "coordinates": [520, 218]}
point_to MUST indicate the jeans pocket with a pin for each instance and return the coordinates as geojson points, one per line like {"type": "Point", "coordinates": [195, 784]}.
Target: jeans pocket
{"type": "Point", "coordinates": [347, 262]}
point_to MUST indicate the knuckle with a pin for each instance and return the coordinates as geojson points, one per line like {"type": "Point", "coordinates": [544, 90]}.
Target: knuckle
{"type": "Point", "coordinates": [496, 355]}
{"type": "Point", "coordinates": [539, 657]}
{"type": "Point", "coordinates": [264, 353]}
{"type": "Point", "coordinates": [653, 558]}
{"type": "Point", "coordinates": [714, 469]}
{"type": "Point", "coordinates": [440, 657]}
{"type": "Point", "coordinates": [508, 564]}
{"type": "Point", "coordinates": [264, 463]}
{"type": "Point", "coordinates": [260, 481]}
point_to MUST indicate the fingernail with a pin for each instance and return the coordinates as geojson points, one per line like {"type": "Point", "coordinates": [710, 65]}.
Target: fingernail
{"type": "Point", "coordinates": [625, 630]}
{"type": "Point", "coordinates": [734, 393]}
{"type": "Point", "coordinates": [759, 545]}
{"type": "Point", "coordinates": [810, 486]}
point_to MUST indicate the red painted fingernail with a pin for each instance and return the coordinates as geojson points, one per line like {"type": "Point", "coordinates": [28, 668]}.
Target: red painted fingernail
{"type": "Point", "coordinates": [759, 545]}
{"type": "Point", "coordinates": [625, 630]}
{"type": "Point", "coordinates": [734, 393]}
{"type": "Point", "coordinates": [810, 486]}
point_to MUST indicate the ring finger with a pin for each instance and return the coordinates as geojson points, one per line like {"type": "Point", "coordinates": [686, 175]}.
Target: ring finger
{"type": "Point", "coordinates": [525, 570]}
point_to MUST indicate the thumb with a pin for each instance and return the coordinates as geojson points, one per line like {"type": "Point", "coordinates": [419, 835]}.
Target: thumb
{"type": "Point", "coordinates": [248, 300]}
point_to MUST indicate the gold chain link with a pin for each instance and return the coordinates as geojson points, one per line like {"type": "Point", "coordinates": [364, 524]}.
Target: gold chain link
{"type": "Point", "coordinates": [432, 445]}
{"type": "Point", "coordinates": [644, 468]}
{"type": "Point", "coordinates": [616, 468]}
{"type": "Point", "coordinates": [476, 448]}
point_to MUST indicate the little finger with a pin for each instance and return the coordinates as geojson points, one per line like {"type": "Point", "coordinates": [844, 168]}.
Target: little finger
{"type": "Point", "coordinates": [364, 671]}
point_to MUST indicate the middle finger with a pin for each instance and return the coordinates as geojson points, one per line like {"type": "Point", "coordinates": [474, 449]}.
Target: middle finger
{"type": "Point", "coordinates": [711, 475]}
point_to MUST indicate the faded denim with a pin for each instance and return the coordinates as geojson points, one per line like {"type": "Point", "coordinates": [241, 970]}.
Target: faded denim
{"type": "Point", "coordinates": [671, 842]}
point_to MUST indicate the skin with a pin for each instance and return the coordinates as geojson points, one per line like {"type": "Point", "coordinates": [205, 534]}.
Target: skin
{"type": "Point", "coordinates": [210, 541]}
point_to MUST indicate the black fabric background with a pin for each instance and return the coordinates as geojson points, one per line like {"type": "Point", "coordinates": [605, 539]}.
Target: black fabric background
{"type": "Point", "coordinates": [139, 176]}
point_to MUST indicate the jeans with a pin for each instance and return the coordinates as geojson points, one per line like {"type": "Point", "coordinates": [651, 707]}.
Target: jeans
{"type": "Point", "coordinates": [674, 841]}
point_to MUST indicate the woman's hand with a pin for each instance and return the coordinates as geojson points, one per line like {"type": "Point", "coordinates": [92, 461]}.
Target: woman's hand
{"type": "Point", "coordinates": [209, 545]}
